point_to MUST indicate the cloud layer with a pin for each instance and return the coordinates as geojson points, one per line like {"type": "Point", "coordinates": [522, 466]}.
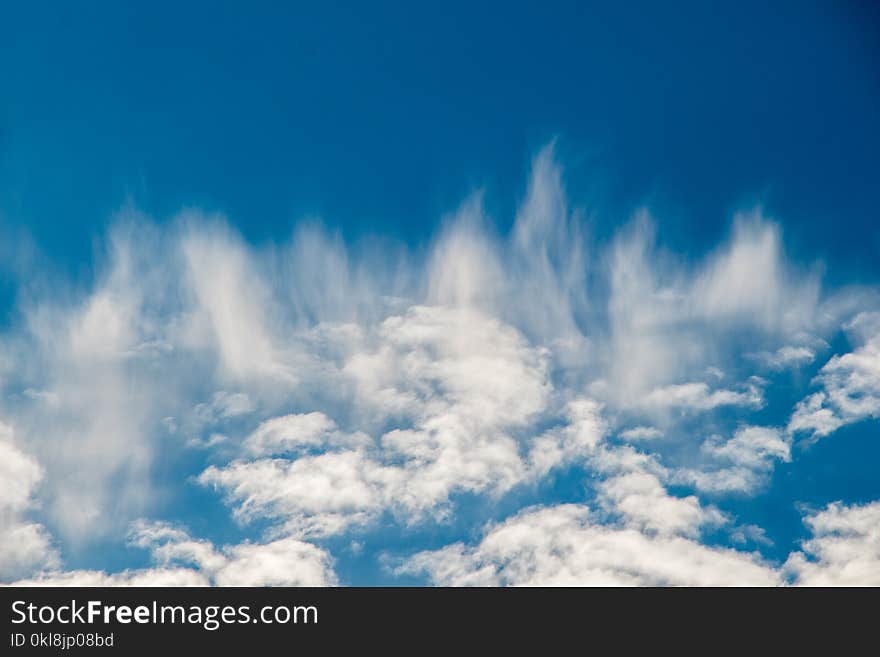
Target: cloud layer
{"type": "Point", "coordinates": [326, 393]}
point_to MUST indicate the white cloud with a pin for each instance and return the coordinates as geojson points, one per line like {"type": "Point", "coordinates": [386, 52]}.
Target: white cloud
{"type": "Point", "coordinates": [640, 498]}
{"type": "Point", "coordinates": [94, 578]}
{"type": "Point", "coordinates": [753, 447]}
{"type": "Point", "coordinates": [231, 307]}
{"type": "Point", "coordinates": [698, 397]}
{"type": "Point", "coordinates": [850, 384]}
{"type": "Point", "coordinates": [283, 562]}
{"type": "Point", "coordinates": [467, 388]}
{"type": "Point", "coordinates": [25, 544]}
{"type": "Point", "coordinates": [741, 464]}
{"type": "Point", "coordinates": [562, 546]}
{"type": "Point", "coordinates": [813, 415]}
{"type": "Point", "coordinates": [640, 433]}
{"type": "Point", "coordinates": [669, 321]}
{"type": "Point", "coordinates": [750, 534]}
{"type": "Point", "coordinates": [331, 386]}
{"type": "Point", "coordinates": [784, 357]}
{"type": "Point", "coordinates": [633, 491]}
{"type": "Point", "coordinates": [464, 269]}
{"type": "Point", "coordinates": [844, 549]}
{"type": "Point", "coordinates": [575, 440]}
{"type": "Point", "coordinates": [299, 432]}
{"type": "Point", "coordinates": [567, 545]}
{"type": "Point", "coordinates": [88, 356]}
{"type": "Point", "coordinates": [184, 561]}
{"type": "Point", "coordinates": [314, 495]}
{"type": "Point", "coordinates": [749, 279]}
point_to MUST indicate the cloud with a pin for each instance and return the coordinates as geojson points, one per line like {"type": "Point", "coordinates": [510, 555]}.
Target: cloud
{"type": "Point", "coordinates": [850, 384]}
{"type": "Point", "coordinates": [698, 397]}
{"type": "Point", "coordinates": [844, 549]}
{"type": "Point", "coordinates": [784, 357]}
{"type": "Point", "coordinates": [574, 441]}
{"type": "Point", "coordinates": [95, 578]}
{"type": "Point", "coordinates": [669, 320]}
{"type": "Point", "coordinates": [226, 405]}
{"type": "Point", "coordinates": [633, 491]}
{"type": "Point", "coordinates": [814, 416]}
{"type": "Point", "coordinates": [314, 495]}
{"type": "Point", "coordinates": [562, 546]}
{"type": "Point", "coordinates": [94, 357]}
{"type": "Point", "coordinates": [464, 389]}
{"type": "Point", "coordinates": [569, 545]}
{"type": "Point", "coordinates": [743, 463]}
{"type": "Point", "coordinates": [230, 308]}
{"type": "Point", "coordinates": [748, 279]}
{"type": "Point", "coordinates": [297, 432]}
{"type": "Point", "coordinates": [642, 501]}
{"type": "Point", "coordinates": [641, 433]}
{"type": "Point", "coordinates": [25, 545]}
{"type": "Point", "coordinates": [184, 561]}
{"type": "Point", "coordinates": [335, 388]}
{"type": "Point", "coordinates": [283, 562]}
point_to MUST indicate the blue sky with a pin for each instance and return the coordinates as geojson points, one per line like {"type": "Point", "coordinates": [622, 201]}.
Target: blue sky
{"type": "Point", "coordinates": [439, 263]}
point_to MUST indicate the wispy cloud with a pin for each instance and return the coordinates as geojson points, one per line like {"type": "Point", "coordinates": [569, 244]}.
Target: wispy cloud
{"type": "Point", "coordinates": [330, 386]}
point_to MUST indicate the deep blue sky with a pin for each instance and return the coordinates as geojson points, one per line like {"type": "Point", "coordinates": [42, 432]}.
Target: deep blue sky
{"type": "Point", "coordinates": [380, 118]}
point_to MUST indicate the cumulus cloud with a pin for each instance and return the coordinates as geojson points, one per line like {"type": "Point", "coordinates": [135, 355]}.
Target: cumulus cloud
{"type": "Point", "coordinates": [184, 561]}
{"type": "Point", "coordinates": [466, 387]}
{"type": "Point", "coordinates": [566, 545]}
{"type": "Point", "coordinates": [740, 464]}
{"type": "Point", "coordinates": [25, 544]}
{"type": "Point", "coordinates": [562, 546]}
{"type": "Point", "coordinates": [844, 549]}
{"type": "Point", "coordinates": [633, 490]}
{"type": "Point", "coordinates": [850, 384]}
{"type": "Point", "coordinates": [297, 432]}
{"type": "Point", "coordinates": [575, 440]}
{"type": "Point", "coordinates": [138, 577]}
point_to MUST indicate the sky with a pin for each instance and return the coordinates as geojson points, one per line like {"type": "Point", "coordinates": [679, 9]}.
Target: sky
{"type": "Point", "coordinates": [569, 293]}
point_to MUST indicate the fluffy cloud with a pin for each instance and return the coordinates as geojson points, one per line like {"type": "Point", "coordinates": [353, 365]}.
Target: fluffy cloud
{"type": "Point", "coordinates": [328, 386]}
{"type": "Point", "coordinates": [698, 397]}
{"type": "Point", "coordinates": [141, 577]}
{"type": "Point", "coordinates": [283, 562]}
{"type": "Point", "coordinates": [562, 546]}
{"type": "Point", "coordinates": [184, 561]}
{"type": "Point", "coordinates": [850, 384]}
{"type": "Point", "coordinates": [633, 490]}
{"type": "Point", "coordinates": [567, 545]}
{"type": "Point", "coordinates": [297, 432]}
{"type": "Point", "coordinates": [844, 549]}
{"type": "Point", "coordinates": [466, 387]}
{"type": "Point", "coordinates": [25, 545]}
{"type": "Point", "coordinates": [575, 440]}
{"type": "Point", "coordinates": [741, 464]}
